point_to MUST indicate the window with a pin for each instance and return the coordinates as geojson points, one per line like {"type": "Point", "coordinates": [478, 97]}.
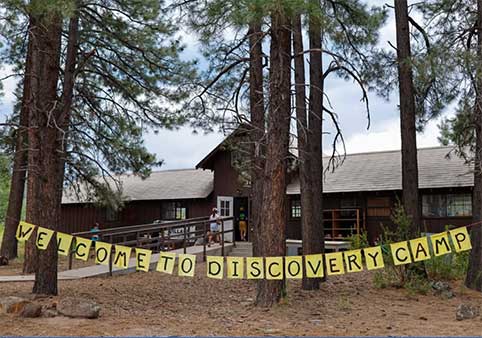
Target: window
{"type": "Point", "coordinates": [378, 206]}
{"type": "Point", "coordinates": [295, 209]}
{"type": "Point", "coordinates": [447, 205]}
{"type": "Point", "coordinates": [174, 211]}
{"type": "Point", "coordinates": [224, 208]}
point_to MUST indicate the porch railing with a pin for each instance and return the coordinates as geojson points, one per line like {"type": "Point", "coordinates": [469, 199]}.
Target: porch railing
{"type": "Point", "coordinates": [163, 236]}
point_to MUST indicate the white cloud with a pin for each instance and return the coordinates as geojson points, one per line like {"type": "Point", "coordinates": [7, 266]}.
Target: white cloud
{"type": "Point", "coordinates": [181, 148]}
{"type": "Point", "coordinates": [386, 136]}
{"type": "Point", "coordinates": [8, 99]}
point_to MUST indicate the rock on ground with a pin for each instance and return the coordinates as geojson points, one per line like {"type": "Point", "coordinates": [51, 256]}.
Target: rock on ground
{"type": "Point", "coordinates": [466, 311]}
{"type": "Point", "coordinates": [12, 304]}
{"type": "Point", "coordinates": [49, 313]}
{"type": "Point", "coordinates": [31, 310]}
{"type": "Point", "coordinates": [78, 308]}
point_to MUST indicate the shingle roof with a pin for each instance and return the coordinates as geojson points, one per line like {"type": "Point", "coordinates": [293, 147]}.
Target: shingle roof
{"type": "Point", "coordinates": [377, 171]}
{"type": "Point", "coordinates": [163, 185]}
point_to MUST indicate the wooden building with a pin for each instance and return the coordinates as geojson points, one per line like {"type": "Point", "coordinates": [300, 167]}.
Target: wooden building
{"type": "Point", "coordinates": [165, 195]}
{"type": "Point", "coordinates": [362, 192]}
{"type": "Point", "coordinates": [358, 196]}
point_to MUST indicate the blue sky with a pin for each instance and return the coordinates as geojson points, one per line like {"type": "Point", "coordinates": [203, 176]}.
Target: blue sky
{"type": "Point", "coordinates": [183, 149]}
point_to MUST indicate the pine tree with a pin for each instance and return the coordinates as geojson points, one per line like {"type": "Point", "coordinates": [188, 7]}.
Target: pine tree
{"type": "Point", "coordinates": [119, 74]}
{"type": "Point", "coordinates": [272, 241]}
{"type": "Point", "coordinates": [460, 38]}
{"type": "Point", "coordinates": [411, 201]}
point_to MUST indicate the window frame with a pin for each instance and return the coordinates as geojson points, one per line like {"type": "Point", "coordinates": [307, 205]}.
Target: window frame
{"type": "Point", "coordinates": [174, 211]}
{"type": "Point", "coordinates": [295, 209]}
{"type": "Point", "coordinates": [446, 202]}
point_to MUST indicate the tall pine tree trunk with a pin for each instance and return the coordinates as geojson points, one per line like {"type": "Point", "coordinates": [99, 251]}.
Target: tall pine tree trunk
{"type": "Point", "coordinates": [45, 137]}
{"type": "Point", "coordinates": [46, 274]}
{"type": "Point", "coordinates": [256, 103]}
{"type": "Point", "coordinates": [17, 186]}
{"type": "Point", "coordinates": [307, 190]}
{"type": "Point", "coordinates": [411, 201]}
{"type": "Point", "coordinates": [474, 273]}
{"type": "Point", "coordinates": [273, 237]}
{"type": "Point", "coordinates": [313, 234]}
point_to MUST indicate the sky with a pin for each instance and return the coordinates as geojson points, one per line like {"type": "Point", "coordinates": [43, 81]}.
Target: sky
{"type": "Point", "coordinates": [180, 149]}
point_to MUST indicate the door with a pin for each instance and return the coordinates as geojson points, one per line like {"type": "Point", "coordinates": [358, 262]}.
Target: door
{"type": "Point", "coordinates": [225, 209]}
{"type": "Point", "coordinates": [240, 205]}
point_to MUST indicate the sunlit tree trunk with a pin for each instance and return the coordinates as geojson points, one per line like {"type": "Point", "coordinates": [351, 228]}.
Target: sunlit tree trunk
{"type": "Point", "coordinates": [273, 237]}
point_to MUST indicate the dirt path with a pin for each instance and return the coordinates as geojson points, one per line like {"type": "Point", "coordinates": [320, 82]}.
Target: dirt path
{"type": "Point", "coordinates": [157, 304]}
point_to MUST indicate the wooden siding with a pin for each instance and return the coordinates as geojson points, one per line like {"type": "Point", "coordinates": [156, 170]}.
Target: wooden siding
{"type": "Point", "coordinates": [373, 224]}
{"type": "Point", "coordinates": [226, 182]}
{"type": "Point", "coordinates": [81, 217]}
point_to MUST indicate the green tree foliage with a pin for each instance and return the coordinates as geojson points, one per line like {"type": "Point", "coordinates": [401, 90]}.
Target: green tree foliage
{"type": "Point", "coordinates": [432, 66]}
{"type": "Point", "coordinates": [350, 33]}
{"type": "Point", "coordinates": [4, 184]}
{"type": "Point", "coordinates": [129, 78]}
{"type": "Point", "coordinates": [454, 27]}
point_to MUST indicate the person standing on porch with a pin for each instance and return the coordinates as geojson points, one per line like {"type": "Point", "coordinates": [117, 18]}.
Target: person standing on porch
{"type": "Point", "coordinates": [243, 225]}
{"type": "Point", "coordinates": [213, 226]}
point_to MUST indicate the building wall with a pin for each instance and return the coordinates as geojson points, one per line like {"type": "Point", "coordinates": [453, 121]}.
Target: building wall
{"type": "Point", "coordinates": [81, 217]}
{"type": "Point", "coordinates": [226, 182]}
{"type": "Point", "coordinates": [373, 223]}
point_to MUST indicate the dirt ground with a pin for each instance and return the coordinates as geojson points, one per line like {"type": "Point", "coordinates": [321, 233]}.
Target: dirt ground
{"type": "Point", "coordinates": [158, 304]}
{"type": "Point", "coordinates": [15, 266]}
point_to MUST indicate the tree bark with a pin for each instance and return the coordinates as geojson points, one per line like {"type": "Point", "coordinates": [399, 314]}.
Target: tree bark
{"type": "Point", "coordinates": [46, 276]}
{"type": "Point", "coordinates": [256, 102]}
{"type": "Point", "coordinates": [411, 201]}
{"type": "Point", "coordinates": [46, 138]}
{"type": "Point", "coordinates": [17, 187]}
{"type": "Point", "coordinates": [473, 279]}
{"type": "Point", "coordinates": [313, 235]}
{"type": "Point", "coordinates": [273, 237]}
{"type": "Point", "coordinates": [308, 188]}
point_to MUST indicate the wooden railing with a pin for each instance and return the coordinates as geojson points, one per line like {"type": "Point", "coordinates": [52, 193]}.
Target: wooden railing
{"type": "Point", "coordinates": [164, 236]}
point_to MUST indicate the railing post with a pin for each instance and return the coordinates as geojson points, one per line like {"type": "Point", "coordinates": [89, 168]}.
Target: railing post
{"type": "Point", "coordinates": [204, 240]}
{"type": "Point", "coordinates": [234, 233]}
{"type": "Point", "coordinates": [222, 238]}
{"type": "Point", "coordinates": [111, 254]}
{"type": "Point", "coordinates": [185, 239]}
{"type": "Point", "coordinates": [71, 252]}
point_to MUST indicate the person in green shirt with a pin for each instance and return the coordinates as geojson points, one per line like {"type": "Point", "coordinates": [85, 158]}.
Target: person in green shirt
{"type": "Point", "coordinates": [243, 225]}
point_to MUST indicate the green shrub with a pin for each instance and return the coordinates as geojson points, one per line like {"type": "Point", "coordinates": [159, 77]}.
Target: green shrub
{"type": "Point", "coordinates": [394, 275]}
{"type": "Point", "coordinates": [359, 241]}
{"type": "Point", "coordinates": [415, 277]}
{"type": "Point", "coordinates": [448, 267]}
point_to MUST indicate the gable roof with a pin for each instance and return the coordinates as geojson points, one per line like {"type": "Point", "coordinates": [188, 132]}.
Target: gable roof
{"type": "Point", "coordinates": [161, 185]}
{"type": "Point", "coordinates": [229, 141]}
{"type": "Point", "coordinates": [377, 171]}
